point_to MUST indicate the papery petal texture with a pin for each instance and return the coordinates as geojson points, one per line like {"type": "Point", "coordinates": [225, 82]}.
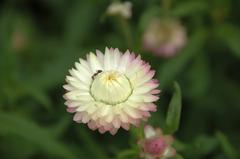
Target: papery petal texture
{"type": "Point", "coordinates": [111, 90]}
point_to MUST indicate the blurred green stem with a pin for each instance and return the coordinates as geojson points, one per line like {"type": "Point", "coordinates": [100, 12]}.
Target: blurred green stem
{"type": "Point", "coordinates": [138, 132]}
{"type": "Point", "coordinates": [127, 153]}
{"type": "Point", "coordinates": [166, 6]}
{"type": "Point", "coordinates": [91, 145]}
{"type": "Point", "coordinates": [126, 31]}
{"type": "Point", "coordinates": [228, 149]}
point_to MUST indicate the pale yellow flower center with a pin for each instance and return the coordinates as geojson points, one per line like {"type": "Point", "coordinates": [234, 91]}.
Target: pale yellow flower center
{"type": "Point", "coordinates": [111, 87]}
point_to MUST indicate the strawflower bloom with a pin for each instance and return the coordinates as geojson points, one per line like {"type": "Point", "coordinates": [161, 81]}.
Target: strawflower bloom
{"type": "Point", "coordinates": [156, 145]}
{"type": "Point", "coordinates": [111, 90]}
{"type": "Point", "coordinates": [120, 8]}
{"type": "Point", "coordinates": [164, 38]}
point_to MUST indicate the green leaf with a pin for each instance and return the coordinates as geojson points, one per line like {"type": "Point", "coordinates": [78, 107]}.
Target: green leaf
{"type": "Point", "coordinates": [16, 147]}
{"type": "Point", "coordinates": [39, 95]}
{"type": "Point", "coordinates": [174, 111]}
{"type": "Point", "coordinates": [53, 73]}
{"type": "Point", "coordinates": [29, 131]}
{"type": "Point", "coordinates": [230, 36]}
{"type": "Point", "coordinates": [179, 145]}
{"type": "Point", "coordinates": [228, 149]}
{"type": "Point", "coordinates": [204, 145]}
{"type": "Point", "coordinates": [190, 8]}
{"type": "Point", "coordinates": [58, 129]}
{"type": "Point", "coordinates": [173, 67]}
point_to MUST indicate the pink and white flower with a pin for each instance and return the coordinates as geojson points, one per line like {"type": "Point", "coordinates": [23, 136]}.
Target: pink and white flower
{"type": "Point", "coordinates": [111, 90]}
{"type": "Point", "coordinates": [164, 38]}
{"type": "Point", "coordinates": [156, 145]}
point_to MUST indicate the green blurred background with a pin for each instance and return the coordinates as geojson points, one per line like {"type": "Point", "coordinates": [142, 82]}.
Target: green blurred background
{"type": "Point", "coordinates": [41, 39]}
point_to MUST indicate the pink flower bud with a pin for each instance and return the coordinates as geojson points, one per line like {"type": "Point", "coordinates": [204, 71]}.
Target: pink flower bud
{"type": "Point", "coordinates": [156, 145]}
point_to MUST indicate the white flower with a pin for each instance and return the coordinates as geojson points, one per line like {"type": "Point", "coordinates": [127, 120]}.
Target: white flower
{"type": "Point", "coordinates": [119, 8]}
{"type": "Point", "coordinates": [111, 90]}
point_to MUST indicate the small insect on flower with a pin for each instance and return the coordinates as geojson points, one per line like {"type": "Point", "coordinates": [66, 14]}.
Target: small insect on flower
{"type": "Point", "coordinates": [156, 145]}
{"type": "Point", "coordinates": [111, 90]}
{"type": "Point", "coordinates": [95, 74]}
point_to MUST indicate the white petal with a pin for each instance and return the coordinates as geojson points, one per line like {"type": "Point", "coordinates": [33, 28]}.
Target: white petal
{"type": "Point", "coordinates": [72, 103]}
{"type": "Point", "coordinates": [144, 89]}
{"type": "Point", "coordinates": [124, 62]}
{"type": "Point", "coordinates": [94, 62]}
{"type": "Point", "coordinates": [116, 59]}
{"type": "Point", "coordinates": [116, 122]}
{"type": "Point", "coordinates": [134, 113]}
{"type": "Point", "coordinates": [104, 110]}
{"type": "Point", "coordinates": [109, 117]}
{"type": "Point", "coordinates": [149, 131]}
{"type": "Point", "coordinates": [135, 66]}
{"type": "Point", "coordinates": [68, 87]}
{"type": "Point", "coordinates": [124, 117]}
{"type": "Point", "coordinates": [100, 57]}
{"type": "Point", "coordinates": [83, 68]}
{"type": "Point", "coordinates": [107, 60]}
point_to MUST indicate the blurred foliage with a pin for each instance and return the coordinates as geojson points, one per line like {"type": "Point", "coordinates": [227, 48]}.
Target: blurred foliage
{"type": "Point", "coordinates": [41, 39]}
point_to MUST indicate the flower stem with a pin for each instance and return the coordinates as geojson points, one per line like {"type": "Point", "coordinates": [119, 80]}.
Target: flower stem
{"type": "Point", "coordinates": [91, 145]}
{"type": "Point", "coordinates": [167, 4]}
{"type": "Point", "coordinates": [127, 153]}
{"type": "Point", "coordinates": [126, 31]}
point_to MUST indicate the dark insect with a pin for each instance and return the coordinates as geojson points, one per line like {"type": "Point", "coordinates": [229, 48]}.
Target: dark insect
{"type": "Point", "coordinates": [95, 74]}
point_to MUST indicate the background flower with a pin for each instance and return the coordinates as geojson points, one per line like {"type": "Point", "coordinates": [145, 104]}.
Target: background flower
{"type": "Point", "coordinates": [164, 38]}
{"type": "Point", "coordinates": [120, 8]}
